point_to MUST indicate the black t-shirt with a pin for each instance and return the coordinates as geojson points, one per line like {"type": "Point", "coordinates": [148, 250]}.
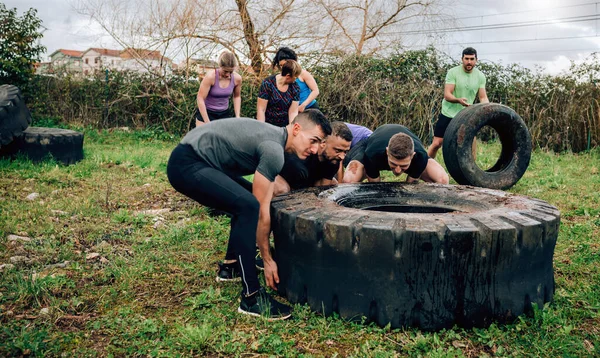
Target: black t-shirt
{"type": "Point", "coordinates": [376, 159]}
{"type": "Point", "coordinates": [304, 173]}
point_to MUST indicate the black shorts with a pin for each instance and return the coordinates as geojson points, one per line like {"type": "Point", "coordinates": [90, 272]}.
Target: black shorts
{"type": "Point", "coordinates": [441, 125]}
{"type": "Point", "coordinates": [213, 115]}
{"type": "Point", "coordinates": [356, 153]}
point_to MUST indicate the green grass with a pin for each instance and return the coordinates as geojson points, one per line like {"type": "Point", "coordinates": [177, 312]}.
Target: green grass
{"type": "Point", "coordinates": [152, 292]}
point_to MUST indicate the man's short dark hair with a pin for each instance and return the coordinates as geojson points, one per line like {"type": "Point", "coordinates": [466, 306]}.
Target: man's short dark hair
{"type": "Point", "coordinates": [284, 53]}
{"type": "Point", "coordinates": [314, 117]}
{"type": "Point", "coordinates": [469, 51]}
{"type": "Point", "coordinates": [340, 129]}
{"type": "Point", "coordinates": [401, 146]}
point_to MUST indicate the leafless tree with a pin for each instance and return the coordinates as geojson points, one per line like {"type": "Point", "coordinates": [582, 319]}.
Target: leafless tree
{"type": "Point", "coordinates": [255, 29]}
{"type": "Point", "coordinates": [368, 26]}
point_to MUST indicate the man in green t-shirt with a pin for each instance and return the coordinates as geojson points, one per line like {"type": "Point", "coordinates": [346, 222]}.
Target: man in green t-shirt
{"type": "Point", "coordinates": [463, 83]}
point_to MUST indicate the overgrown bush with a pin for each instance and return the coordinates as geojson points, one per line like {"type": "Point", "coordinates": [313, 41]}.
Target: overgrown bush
{"type": "Point", "coordinates": [562, 112]}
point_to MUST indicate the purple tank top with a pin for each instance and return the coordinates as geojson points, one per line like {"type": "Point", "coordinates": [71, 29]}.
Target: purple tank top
{"type": "Point", "coordinates": [358, 133]}
{"type": "Point", "coordinates": [217, 99]}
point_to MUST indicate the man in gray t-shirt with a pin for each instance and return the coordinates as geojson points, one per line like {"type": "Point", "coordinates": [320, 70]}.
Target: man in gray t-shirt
{"type": "Point", "coordinates": [208, 166]}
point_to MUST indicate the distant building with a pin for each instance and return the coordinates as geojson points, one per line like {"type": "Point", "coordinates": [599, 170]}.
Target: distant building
{"type": "Point", "coordinates": [65, 60]}
{"type": "Point", "coordinates": [196, 65]}
{"type": "Point", "coordinates": [43, 68]}
{"type": "Point", "coordinates": [141, 60]}
{"type": "Point", "coordinates": [95, 59]}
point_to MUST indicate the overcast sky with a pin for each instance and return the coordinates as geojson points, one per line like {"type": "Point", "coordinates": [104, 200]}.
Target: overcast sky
{"type": "Point", "coordinates": [547, 33]}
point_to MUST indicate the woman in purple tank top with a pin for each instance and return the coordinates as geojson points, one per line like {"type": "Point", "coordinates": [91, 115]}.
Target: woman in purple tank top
{"type": "Point", "coordinates": [215, 90]}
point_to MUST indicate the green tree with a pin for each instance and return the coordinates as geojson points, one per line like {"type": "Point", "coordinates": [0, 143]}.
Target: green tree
{"type": "Point", "coordinates": [19, 47]}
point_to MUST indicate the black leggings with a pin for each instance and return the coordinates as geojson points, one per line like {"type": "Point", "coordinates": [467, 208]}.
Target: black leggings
{"type": "Point", "coordinates": [194, 178]}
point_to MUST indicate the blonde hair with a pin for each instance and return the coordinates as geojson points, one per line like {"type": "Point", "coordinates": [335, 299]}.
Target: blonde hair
{"type": "Point", "coordinates": [228, 60]}
{"type": "Point", "coordinates": [292, 68]}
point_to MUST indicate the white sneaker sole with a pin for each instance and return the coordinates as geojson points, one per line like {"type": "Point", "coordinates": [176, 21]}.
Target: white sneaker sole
{"type": "Point", "coordinates": [220, 279]}
{"type": "Point", "coordinates": [270, 319]}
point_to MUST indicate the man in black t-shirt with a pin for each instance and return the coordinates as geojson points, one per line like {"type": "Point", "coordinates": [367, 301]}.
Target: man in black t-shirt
{"type": "Point", "coordinates": [393, 147]}
{"type": "Point", "coordinates": [318, 169]}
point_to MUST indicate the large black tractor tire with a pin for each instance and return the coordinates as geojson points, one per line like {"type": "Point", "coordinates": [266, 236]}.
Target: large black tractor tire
{"type": "Point", "coordinates": [514, 137]}
{"type": "Point", "coordinates": [14, 115]}
{"type": "Point", "coordinates": [427, 255]}
{"type": "Point", "coordinates": [39, 143]}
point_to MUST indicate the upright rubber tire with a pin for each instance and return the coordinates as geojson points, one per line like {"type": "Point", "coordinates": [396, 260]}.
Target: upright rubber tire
{"type": "Point", "coordinates": [39, 143]}
{"type": "Point", "coordinates": [14, 115]}
{"type": "Point", "coordinates": [514, 137]}
{"type": "Point", "coordinates": [436, 256]}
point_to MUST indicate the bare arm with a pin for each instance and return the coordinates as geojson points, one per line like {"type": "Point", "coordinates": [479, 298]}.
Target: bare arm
{"type": "Point", "coordinates": [308, 78]}
{"type": "Point", "coordinates": [482, 94]}
{"type": "Point", "coordinates": [435, 173]}
{"type": "Point", "coordinates": [237, 95]}
{"type": "Point", "coordinates": [293, 111]}
{"type": "Point", "coordinates": [281, 186]}
{"type": "Point", "coordinates": [261, 108]}
{"type": "Point", "coordinates": [448, 96]}
{"type": "Point", "coordinates": [205, 85]}
{"type": "Point", "coordinates": [262, 189]}
{"type": "Point", "coordinates": [325, 182]}
{"type": "Point", "coordinates": [340, 173]}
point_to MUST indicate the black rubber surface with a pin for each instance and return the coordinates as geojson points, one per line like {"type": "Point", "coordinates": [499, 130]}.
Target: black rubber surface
{"type": "Point", "coordinates": [464, 255]}
{"type": "Point", "coordinates": [39, 143]}
{"type": "Point", "coordinates": [14, 115]}
{"type": "Point", "coordinates": [514, 137]}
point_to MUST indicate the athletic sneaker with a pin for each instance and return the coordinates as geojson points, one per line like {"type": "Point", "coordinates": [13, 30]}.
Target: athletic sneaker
{"type": "Point", "coordinates": [229, 272]}
{"type": "Point", "coordinates": [262, 304]}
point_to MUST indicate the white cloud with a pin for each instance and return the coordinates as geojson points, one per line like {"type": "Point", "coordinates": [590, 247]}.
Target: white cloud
{"type": "Point", "coordinates": [65, 28]}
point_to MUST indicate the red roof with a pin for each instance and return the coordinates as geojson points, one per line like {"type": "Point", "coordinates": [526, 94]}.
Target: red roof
{"type": "Point", "coordinates": [70, 53]}
{"type": "Point", "coordinates": [142, 53]}
{"type": "Point", "coordinates": [105, 51]}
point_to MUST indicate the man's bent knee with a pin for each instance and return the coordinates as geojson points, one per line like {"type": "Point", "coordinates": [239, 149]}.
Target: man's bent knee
{"type": "Point", "coordinates": [353, 172]}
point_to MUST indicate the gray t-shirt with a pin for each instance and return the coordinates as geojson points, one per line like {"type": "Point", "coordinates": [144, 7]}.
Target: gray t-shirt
{"type": "Point", "coordinates": [240, 146]}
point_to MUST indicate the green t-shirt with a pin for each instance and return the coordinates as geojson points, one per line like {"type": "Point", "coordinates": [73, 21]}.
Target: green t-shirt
{"type": "Point", "coordinates": [466, 85]}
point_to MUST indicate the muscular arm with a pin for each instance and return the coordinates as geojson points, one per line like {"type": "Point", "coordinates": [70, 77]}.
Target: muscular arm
{"type": "Point", "coordinates": [262, 189]}
{"type": "Point", "coordinates": [325, 182]}
{"type": "Point", "coordinates": [281, 186]}
{"type": "Point", "coordinates": [448, 96]}
{"type": "Point", "coordinates": [293, 111]}
{"type": "Point", "coordinates": [237, 95]}
{"type": "Point", "coordinates": [261, 107]}
{"type": "Point", "coordinates": [340, 173]}
{"type": "Point", "coordinates": [482, 94]}
{"type": "Point", "coordinates": [207, 81]}
{"type": "Point", "coordinates": [434, 173]}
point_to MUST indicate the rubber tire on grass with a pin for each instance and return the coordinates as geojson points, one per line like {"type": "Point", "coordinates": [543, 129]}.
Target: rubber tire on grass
{"type": "Point", "coordinates": [458, 255]}
{"type": "Point", "coordinates": [514, 137]}
{"type": "Point", "coordinates": [39, 143]}
{"type": "Point", "coordinates": [14, 115]}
